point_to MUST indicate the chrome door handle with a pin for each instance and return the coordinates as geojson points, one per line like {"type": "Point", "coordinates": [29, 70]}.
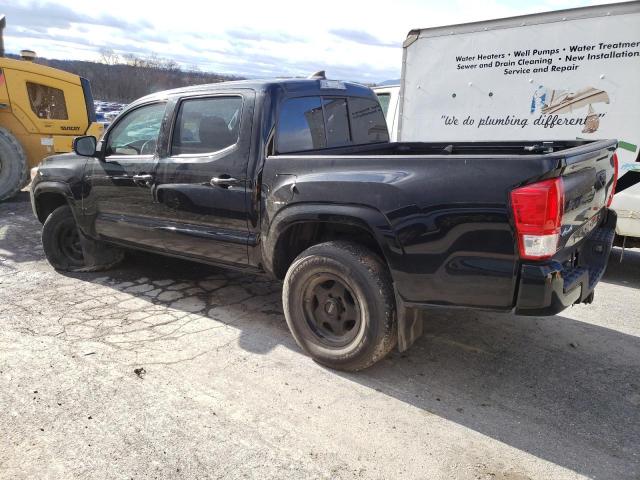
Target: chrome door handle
{"type": "Point", "coordinates": [223, 181]}
{"type": "Point", "coordinates": [143, 179]}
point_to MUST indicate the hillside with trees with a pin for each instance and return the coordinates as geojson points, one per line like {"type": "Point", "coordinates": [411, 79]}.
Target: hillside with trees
{"type": "Point", "coordinates": [124, 78]}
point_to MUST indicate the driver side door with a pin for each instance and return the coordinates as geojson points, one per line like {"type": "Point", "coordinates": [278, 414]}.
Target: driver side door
{"type": "Point", "coordinates": [120, 197]}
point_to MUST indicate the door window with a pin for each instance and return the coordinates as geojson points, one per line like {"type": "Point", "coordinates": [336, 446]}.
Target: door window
{"type": "Point", "coordinates": [137, 132]}
{"type": "Point", "coordinates": [47, 102]}
{"type": "Point", "coordinates": [206, 125]}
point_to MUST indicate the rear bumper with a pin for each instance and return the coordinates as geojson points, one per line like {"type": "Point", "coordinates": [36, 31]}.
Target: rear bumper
{"type": "Point", "coordinates": [550, 287]}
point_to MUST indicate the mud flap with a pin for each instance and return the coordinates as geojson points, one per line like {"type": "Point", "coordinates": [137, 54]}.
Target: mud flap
{"type": "Point", "coordinates": [409, 324]}
{"type": "Point", "coordinates": [98, 255]}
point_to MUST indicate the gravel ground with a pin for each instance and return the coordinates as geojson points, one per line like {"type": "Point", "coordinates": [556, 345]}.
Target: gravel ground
{"type": "Point", "coordinates": [168, 369]}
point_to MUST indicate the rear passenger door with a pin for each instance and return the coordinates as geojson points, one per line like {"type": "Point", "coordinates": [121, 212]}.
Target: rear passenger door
{"type": "Point", "coordinates": [202, 181]}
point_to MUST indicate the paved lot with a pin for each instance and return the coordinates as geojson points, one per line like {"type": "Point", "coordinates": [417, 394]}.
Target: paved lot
{"type": "Point", "coordinates": [225, 392]}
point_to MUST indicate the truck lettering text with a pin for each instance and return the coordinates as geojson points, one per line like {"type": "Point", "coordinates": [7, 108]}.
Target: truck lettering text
{"type": "Point", "coordinates": [581, 48]}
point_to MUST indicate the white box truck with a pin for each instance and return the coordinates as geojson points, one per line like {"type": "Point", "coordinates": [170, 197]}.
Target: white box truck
{"type": "Point", "coordinates": [555, 76]}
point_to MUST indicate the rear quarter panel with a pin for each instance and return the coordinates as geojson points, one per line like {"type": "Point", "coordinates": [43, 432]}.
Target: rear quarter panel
{"type": "Point", "coordinates": [449, 215]}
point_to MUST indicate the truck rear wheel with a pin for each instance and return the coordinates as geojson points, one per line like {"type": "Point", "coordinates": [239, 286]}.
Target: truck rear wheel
{"type": "Point", "coordinates": [14, 173]}
{"type": "Point", "coordinates": [66, 249]}
{"type": "Point", "coordinates": [339, 305]}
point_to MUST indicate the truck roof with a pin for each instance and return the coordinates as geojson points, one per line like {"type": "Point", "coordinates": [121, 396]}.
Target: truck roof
{"type": "Point", "coordinates": [292, 86]}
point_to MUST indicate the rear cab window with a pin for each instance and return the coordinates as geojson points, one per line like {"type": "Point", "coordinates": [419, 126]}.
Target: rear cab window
{"type": "Point", "coordinates": [368, 124]}
{"type": "Point", "coordinates": [384, 99]}
{"type": "Point", "coordinates": [310, 123]}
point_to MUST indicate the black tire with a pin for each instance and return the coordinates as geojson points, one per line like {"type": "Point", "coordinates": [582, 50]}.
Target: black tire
{"type": "Point", "coordinates": [66, 249]}
{"type": "Point", "coordinates": [339, 304]}
{"type": "Point", "coordinates": [14, 173]}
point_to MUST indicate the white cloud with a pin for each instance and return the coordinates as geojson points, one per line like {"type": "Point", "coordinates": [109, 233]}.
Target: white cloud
{"type": "Point", "coordinates": [351, 40]}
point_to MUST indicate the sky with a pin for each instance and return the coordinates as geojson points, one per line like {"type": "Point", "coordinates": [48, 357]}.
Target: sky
{"type": "Point", "coordinates": [351, 40]}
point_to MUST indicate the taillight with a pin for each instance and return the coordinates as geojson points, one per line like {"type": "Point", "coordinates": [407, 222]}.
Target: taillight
{"type": "Point", "coordinates": [538, 210]}
{"type": "Point", "coordinates": [614, 160]}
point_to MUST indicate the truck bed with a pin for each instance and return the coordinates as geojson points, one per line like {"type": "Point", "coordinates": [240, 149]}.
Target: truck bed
{"type": "Point", "coordinates": [448, 211]}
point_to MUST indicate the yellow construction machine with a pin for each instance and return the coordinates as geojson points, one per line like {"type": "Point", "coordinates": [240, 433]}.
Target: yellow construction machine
{"type": "Point", "coordinates": [42, 109]}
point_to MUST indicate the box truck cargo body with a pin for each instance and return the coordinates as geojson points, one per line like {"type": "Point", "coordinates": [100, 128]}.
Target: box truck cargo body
{"type": "Point", "coordinates": [569, 74]}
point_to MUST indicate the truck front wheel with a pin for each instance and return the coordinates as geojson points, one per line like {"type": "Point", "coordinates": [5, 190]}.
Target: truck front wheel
{"type": "Point", "coordinates": [66, 249]}
{"type": "Point", "coordinates": [339, 305]}
{"type": "Point", "coordinates": [14, 173]}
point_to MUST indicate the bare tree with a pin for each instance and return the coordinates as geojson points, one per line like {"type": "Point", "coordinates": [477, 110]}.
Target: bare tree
{"type": "Point", "coordinates": [132, 60]}
{"type": "Point", "coordinates": [123, 78]}
{"type": "Point", "coordinates": [108, 56]}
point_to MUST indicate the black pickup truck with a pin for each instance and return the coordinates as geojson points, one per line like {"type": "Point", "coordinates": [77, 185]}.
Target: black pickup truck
{"type": "Point", "coordinates": [298, 179]}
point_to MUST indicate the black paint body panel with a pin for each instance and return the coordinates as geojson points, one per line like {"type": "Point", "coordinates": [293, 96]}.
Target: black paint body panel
{"type": "Point", "coordinates": [440, 213]}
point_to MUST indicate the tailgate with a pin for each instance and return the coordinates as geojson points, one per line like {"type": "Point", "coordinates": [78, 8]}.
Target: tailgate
{"type": "Point", "coordinates": [575, 239]}
{"type": "Point", "coordinates": [588, 182]}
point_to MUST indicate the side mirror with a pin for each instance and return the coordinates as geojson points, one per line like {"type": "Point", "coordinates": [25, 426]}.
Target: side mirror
{"type": "Point", "coordinates": [85, 146]}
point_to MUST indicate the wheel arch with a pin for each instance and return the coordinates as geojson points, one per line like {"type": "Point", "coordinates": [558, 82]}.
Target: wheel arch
{"type": "Point", "coordinates": [47, 196]}
{"type": "Point", "coordinates": [298, 227]}
{"type": "Point", "coordinates": [365, 219]}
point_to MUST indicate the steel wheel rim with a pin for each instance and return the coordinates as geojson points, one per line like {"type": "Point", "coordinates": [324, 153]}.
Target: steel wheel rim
{"type": "Point", "coordinates": [69, 241]}
{"type": "Point", "coordinates": [332, 311]}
